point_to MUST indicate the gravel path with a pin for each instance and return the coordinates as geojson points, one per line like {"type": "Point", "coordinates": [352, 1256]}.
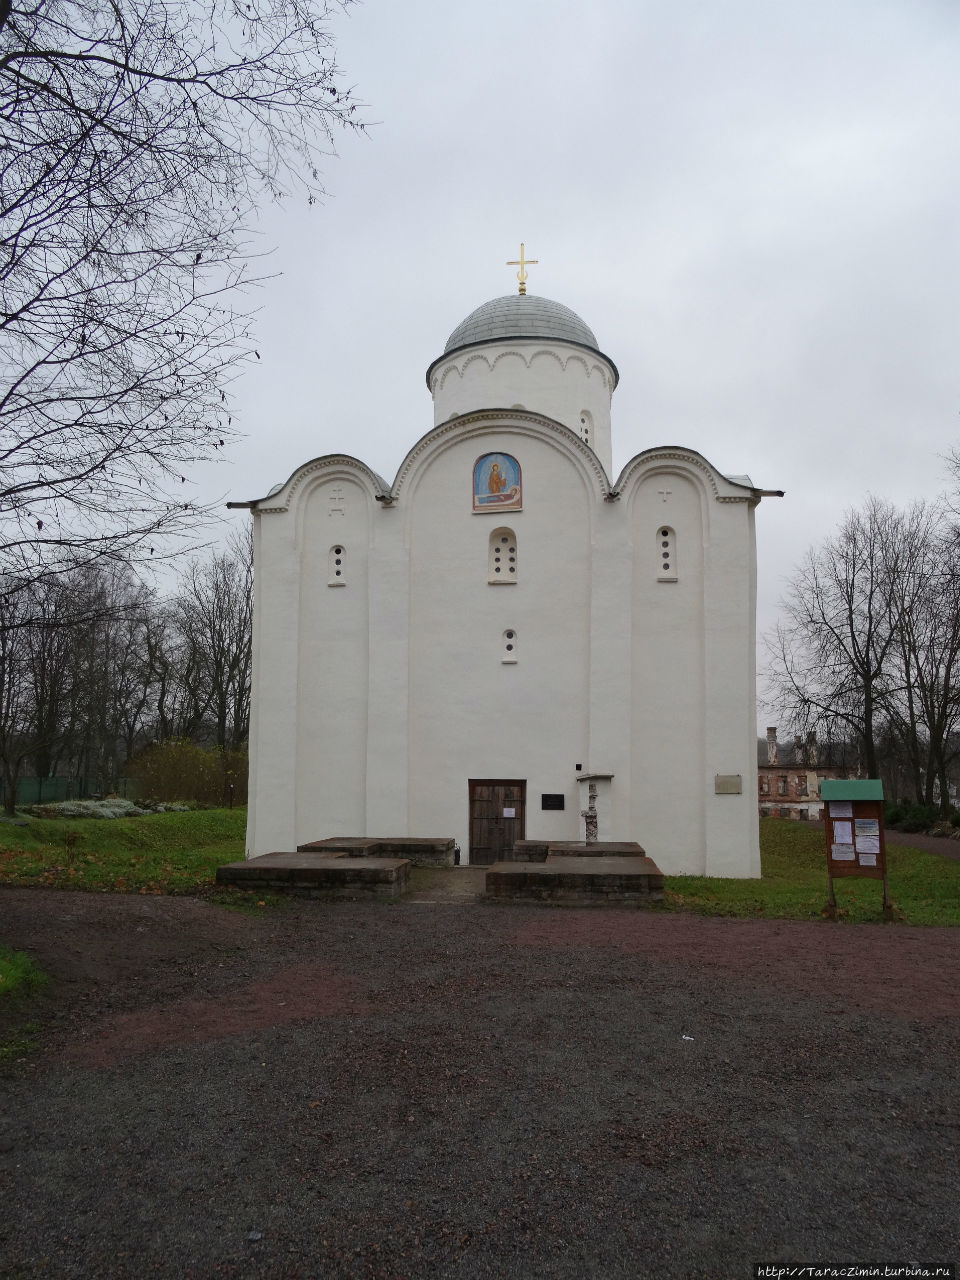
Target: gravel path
{"type": "Point", "coordinates": [450, 1089]}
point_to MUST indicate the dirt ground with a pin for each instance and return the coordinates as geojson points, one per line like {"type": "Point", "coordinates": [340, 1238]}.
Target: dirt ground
{"type": "Point", "coordinates": [450, 1088]}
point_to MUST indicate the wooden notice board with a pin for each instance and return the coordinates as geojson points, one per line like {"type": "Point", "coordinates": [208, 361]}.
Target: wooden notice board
{"type": "Point", "coordinates": [853, 817]}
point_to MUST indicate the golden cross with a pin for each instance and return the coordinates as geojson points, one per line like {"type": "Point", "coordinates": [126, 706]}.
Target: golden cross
{"type": "Point", "coordinates": [523, 263]}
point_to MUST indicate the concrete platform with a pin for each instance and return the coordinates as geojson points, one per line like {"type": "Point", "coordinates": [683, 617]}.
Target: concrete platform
{"type": "Point", "coordinates": [422, 851]}
{"type": "Point", "coordinates": [314, 875]}
{"type": "Point", "coordinates": [577, 881]}
{"type": "Point", "coordinates": [540, 850]}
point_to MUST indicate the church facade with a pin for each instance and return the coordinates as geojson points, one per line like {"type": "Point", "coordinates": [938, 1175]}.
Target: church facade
{"type": "Point", "coordinates": [466, 650]}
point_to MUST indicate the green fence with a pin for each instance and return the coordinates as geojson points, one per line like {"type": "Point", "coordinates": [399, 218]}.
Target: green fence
{"type": "Point", "coordinates": [50, 790]}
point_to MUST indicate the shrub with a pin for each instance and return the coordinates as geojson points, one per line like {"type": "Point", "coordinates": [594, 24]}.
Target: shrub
{"type": "Point", "coordinates": [893, 811]}
{"type": "Point", "coordinates": [111, 807]}
{"type": "Point", "coordinates": [181, 770]}
{"type": "Point", "coordinates": [918, 817]}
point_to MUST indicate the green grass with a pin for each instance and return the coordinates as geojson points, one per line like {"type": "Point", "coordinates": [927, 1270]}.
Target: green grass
{"type": "Point", "coordinates": [20, 978]}
{"type": "Point", "coordinates": [180, 852]}
{"type": "Point", "coordinates": [924, 887]}
{"type": "Point", "coordinates": [162, 853]}
{"type": "Point", "coordinates": [19, 975]}
{"type": "Point", "coordinates": [249, 902]}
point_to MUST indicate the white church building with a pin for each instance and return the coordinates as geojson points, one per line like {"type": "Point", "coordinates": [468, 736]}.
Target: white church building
{"type": "Point", "coordinates": [461, 652]}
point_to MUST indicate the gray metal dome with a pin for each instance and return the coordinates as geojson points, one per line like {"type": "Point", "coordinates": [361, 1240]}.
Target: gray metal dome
{"type": "Point", "coordinates": [521, 316]}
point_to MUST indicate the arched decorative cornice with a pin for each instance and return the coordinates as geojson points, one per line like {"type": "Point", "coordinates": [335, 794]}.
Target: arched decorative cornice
{"type": "Point", "coordinates": [673, 457]}
{"type": "Point", "coordinates": [588, 369]}
{"type": "Point", "coordinates": [467, 425]}
{"type": "Point", "coordinates": [524, 337]}
{"type": "Point", "coordinates": [329, 466]}
{"type": "Point", "coordinates": [458, 362]}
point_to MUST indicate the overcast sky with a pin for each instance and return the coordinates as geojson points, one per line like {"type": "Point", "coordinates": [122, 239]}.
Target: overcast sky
{"type": "Point", "coordinates": [754, 204]}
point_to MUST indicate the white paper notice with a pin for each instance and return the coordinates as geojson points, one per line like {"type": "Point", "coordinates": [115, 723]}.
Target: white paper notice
{"type": "Point", "coordinates": [868, 844]}
{"type": "Point", "coordinates": [841, 808]}
{"type": "Point", "coordinates": [509, 813]}
{"type": "Point", "coordinates": [843, 833]}
{"type": "Point", "coordinates": [842, 852]}
{"type": "Point", "coordinates": [868, 859]}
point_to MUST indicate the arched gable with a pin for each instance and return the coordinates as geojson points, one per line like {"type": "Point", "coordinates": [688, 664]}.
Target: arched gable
{"type": "Point", "coordinates": [306, 477]}
{"type": "Point", "coordinates": [520, 424]}
{"type": "Point", "coordinates": [675, 459]}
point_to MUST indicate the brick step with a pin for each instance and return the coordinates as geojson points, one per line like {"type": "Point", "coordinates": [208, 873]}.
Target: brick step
{"type": "Point", "coordinates": [578, 881]}
{"type": "Point", "coordinates": [331, 875]}
{"type": "Point", "coordinates": [423, 851]}
{"type": "Point", "coordinates": [541, 850]}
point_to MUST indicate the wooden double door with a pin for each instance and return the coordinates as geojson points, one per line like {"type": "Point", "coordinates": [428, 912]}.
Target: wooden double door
{"type": "Point", "coordinates": [497, 818]}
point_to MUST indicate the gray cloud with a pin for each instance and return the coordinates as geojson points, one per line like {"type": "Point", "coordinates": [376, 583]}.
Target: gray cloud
{"type": "Point", "coordinates": [753, 205]}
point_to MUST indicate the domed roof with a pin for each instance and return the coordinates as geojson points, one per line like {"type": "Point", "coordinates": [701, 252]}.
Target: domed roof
{"type": "Point", "coordinates": [521, 316]}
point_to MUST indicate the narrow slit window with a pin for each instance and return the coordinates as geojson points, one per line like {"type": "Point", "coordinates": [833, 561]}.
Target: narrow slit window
{"type": "Point", "coordinates": [666, 554]}
{"type": "Point", "coordinates": [509, 650]}
{"type": "Point", "coordinates": [337, 566]}
{"type": "Point", "coordinates": [502, 557]}
{"type": "Point", "coordinates": [586, 427]}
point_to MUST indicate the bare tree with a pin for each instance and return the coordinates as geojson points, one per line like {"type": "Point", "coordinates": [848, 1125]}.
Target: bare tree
{"type": "Point", "coordinates": [869, 642]}
{"type": "Point", "coordinates": [214, 612]}
{"type": "Point", "coordinates": [832, 655]}
{"type": "Point", "coordinates": [36, 684]}
{"type": "Point", "coordinates": [137, 137]}
{"type": "Point", "coordinates": [94, 666]}
{"type": "Point", "coordinates": [110, 612]}
{"type": "Point", "coordinates": [923, 704]}
{"type": "Point", "coordinates": [14, 743]}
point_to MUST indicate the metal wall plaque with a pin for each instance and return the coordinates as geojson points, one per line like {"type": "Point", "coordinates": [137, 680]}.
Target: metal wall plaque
{"type": "Point", "coordinates": [549, 800]}
{"type": "Point", "coordinates": [728, 784]}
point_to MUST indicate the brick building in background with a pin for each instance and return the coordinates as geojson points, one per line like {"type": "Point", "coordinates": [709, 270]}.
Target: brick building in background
{"type": "Point", "coordinates": [788, 780]}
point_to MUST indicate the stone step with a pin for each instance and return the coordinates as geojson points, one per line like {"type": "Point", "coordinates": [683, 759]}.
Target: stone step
{"type": "Point", "coordinates": [423, 851]}
{"type": "Point", "coordinates": [541, 850]}
{"type": "Point", "coordinates": [331, 875]}
{"type": "Point", "coordinates": [578, 881]}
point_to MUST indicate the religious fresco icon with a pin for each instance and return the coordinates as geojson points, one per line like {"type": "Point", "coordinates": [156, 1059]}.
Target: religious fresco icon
{"type": "Point", "coordinates": [496, 483]}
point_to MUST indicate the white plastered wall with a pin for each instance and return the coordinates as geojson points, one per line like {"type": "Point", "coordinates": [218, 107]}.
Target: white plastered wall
{"type": "Point", "coordinates": [310, 658]}
{"type": "Point", "coordinates": [335, 509]}
{"type": "Point", "coordinates": [694, 662]}
{"type": "Point", "coordinates": [374, 703]}
{"type": "Point", "coordinates": [732, 821]}
{"type": "Point", "coordinates": [558, 380]}
{"type": "Point", "coordinates": [271, 819]}
{"type": "Point", "coordinates": [472, 715]}
{"type": "Point", "coordinates": [668, 694]}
